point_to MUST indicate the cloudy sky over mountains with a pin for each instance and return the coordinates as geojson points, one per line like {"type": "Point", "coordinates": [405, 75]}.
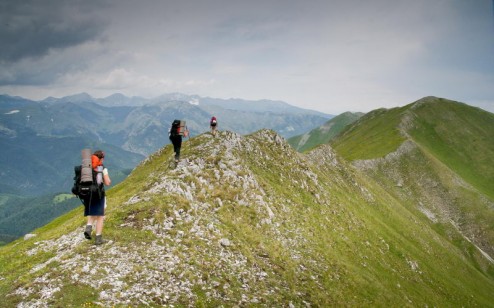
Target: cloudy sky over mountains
{"type": "Point", "coordinates": [328, 55]}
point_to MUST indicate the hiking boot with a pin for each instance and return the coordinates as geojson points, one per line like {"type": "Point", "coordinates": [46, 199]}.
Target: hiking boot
{"type": "Point", "coordinates": [99, 240]}
{"type": "Point", "coordinates": [87, 232]}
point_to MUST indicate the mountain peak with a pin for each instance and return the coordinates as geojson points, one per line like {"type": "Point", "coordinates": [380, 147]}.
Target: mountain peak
{"type": "Point", "coordinates": [436, 151]}
{"type": "Point", "coordinates": [427, 99]}
{"type": "Point", "coordinates": [78, 98]}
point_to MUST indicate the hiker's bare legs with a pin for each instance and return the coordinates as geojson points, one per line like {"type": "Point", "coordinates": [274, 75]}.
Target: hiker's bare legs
{"type": "Point", "coordinates": [99, 222]}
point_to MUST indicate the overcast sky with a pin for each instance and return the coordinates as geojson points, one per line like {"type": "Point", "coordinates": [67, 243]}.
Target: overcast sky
{"type": "Point", "coordinates": [327, 55]}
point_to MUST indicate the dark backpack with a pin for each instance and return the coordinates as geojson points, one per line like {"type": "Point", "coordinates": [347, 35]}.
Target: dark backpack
{"type": "Point", "coordinates": [175, 128]}
{"type": "Point", "coordinates": [178, 128]}
{"type": "Point", "coordinates": [87, 190]}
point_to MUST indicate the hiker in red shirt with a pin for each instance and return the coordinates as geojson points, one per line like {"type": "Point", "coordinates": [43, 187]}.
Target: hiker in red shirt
{"type": "Point", "coordinates": [94, 206]}
{"type": "Point", "coordinates": [212, 125]}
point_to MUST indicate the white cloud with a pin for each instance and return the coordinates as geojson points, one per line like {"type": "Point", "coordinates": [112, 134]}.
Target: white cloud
{"type": "Point", "coordinates": [331, 56]}
{"type": "Point", "coordinates": [12, 112]}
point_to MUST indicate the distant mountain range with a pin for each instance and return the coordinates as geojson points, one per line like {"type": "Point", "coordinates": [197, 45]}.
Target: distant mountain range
{"type": "Point", "coordinates": [397, 210]}
{"type": "Point", "coordinates": [41, 141]}
{"type": "Point", "coordinates": [118, 100]}
{"type": "Point", "coordinates": [140, 125]}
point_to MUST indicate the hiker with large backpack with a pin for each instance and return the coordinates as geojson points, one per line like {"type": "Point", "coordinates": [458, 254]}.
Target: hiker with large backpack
{"type": "Point", "coordinates": [89, 185]}
{"type": "Point", "coordinates": [177, 130]}
{"type": "Point", "coordinates": [212, 125]}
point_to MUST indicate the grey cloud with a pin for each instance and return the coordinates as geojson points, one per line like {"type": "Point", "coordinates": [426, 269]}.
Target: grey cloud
{"type": "Point", "coordinates": [33, 28]}
{"type": "Point", "coordinates": [37, 73]}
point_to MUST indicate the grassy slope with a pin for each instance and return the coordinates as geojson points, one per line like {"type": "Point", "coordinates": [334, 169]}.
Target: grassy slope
{"type": "Point", "coordinates": [336, 238]}
{"type": "Point", "coordinates": [373, 135]}
{"type": "Point", "coordinates": [455, 144]}
{"type": "Point", "coordinates": [324, 133]}
{"type": "Point", "coordinates": [460, 136]}
{"type": "Point", "coordinates": [422, 182]}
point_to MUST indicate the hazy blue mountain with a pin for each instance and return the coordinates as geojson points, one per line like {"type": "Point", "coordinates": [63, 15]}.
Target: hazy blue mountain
{"type": "Point", "coordinates": [276, 107]}
{"type": "Point", "coordinates": [40, 143]}
{"type": "Point", "coordinates": [237, 104]}
{"type": "Point", "coordinates": [33, 164]}
{"type": "Point", "coordinates": [141, 125]}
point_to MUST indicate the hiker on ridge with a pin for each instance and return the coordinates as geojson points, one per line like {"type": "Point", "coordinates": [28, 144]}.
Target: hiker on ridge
{"type": "Point", "coordinates": [212, 125]}
{"type": "Point", "coordinates": [176, 138]}
{"type": "Point", "coordinates": [94, 206]}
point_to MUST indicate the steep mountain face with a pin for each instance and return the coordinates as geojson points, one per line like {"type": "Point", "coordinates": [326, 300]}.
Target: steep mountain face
{"type": "Point", "coordinates": [436, 156]}
{"type": "Point", "coordinates": [324, 133]}
{"type": "Point", "coordinates": [242, 221]}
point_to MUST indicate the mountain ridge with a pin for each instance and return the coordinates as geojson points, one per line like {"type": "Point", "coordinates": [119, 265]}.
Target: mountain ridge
{"type": "Point", "coordinates": [246, 220]}
{"type": "Point", "coordinates": [437, 159]}
{"type": "Point", "coordinates": [324, 133]}
{"type": "Point", "coordinates": [119, 99]}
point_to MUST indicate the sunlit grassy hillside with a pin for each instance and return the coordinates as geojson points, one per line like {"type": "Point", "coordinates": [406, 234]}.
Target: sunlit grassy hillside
{"type": "Point", "coordinates": [461, 136]}
{"type": "Point", "coordinates": [246, 221]}
{"type": "Point", "coordinates": [441, 163]}
{"type": "Point", "coordinates": [372, 136]}
{"type": "Point", "coordinates": [324, 133]}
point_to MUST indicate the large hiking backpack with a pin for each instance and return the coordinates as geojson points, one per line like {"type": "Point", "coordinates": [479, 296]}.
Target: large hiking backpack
{"type": "Point", "coordinates": [213, 121]}
{"type": "Point", "coordinates": [178, 128]}
{"type": "Point", "coordinates": [85, 189]}
{"type": "Point", "coordinates": [86, 179]}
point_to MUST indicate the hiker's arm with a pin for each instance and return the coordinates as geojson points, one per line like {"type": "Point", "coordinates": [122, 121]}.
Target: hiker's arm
{"type": "Point", "coordinates": [106, 177]}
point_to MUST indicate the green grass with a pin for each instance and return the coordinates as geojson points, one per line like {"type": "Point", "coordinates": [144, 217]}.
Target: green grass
{"type": "Point", "coordinates": [373, 136]}
{"type": "Point", "coordinates": [460, 136]}
{"type": "Point", "coordinates": [75, 295]}
{"type": "Point", "coordinates": [455, 143]}
{"type": "Point", "coordinates": [62, 197]}
{"type": "Point", "coordinates": [323, 134]}
{"type": "Point", "coordinates": [430, 183]}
